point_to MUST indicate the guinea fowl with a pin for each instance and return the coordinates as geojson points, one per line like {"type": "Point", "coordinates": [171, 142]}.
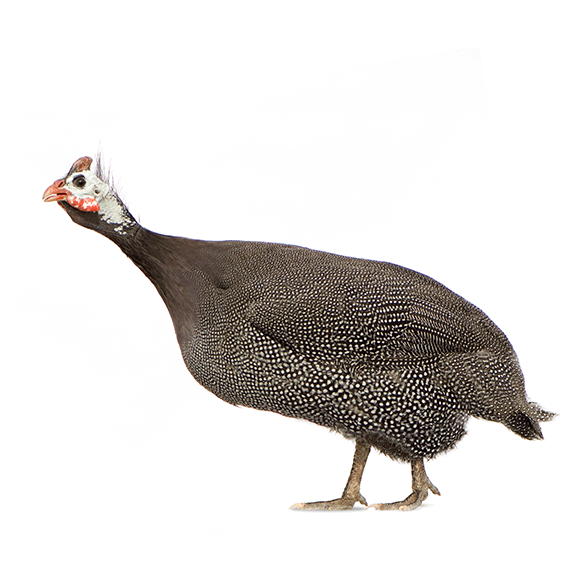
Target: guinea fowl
{"type": "Point", "coordinates": [379, 353]}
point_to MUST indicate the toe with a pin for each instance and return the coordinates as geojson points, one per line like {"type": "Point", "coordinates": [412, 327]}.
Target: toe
{"type": "Point", "coordinates": [338, 504]}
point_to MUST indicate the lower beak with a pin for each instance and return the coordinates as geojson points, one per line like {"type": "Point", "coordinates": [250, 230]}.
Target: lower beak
{"type": "Point", "coordinates": [56, 192]}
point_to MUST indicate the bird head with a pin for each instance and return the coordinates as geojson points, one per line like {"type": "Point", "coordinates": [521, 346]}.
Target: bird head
{"type": "Point", "coordinates": [89, 198]}
{"type": "Point", "coordinates": [81, 188]}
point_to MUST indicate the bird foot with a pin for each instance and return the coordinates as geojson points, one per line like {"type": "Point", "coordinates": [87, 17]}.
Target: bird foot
{"type": "Point", "coordinates": [410, 503]}
{"type": "Point", "coordinates": [343, 503]}
{"type": "Point", "coordinates": [421, 486]}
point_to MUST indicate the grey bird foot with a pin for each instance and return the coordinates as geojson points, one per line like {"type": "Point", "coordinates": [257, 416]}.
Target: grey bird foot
{"type": "Point", "coordinates": [343, 503]}
{"type": "Point", "coordinates": [351, 493]}
{"type": "Point", "coordinates": [410, 503]}
{"type": "Point", "coordinates": [421, 485]}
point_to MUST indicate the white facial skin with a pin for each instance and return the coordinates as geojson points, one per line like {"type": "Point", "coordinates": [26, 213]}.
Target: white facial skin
{"type": "Point", "coordinates": [86, 186]}
{"type": "Point", "coordinates": [89, 193]}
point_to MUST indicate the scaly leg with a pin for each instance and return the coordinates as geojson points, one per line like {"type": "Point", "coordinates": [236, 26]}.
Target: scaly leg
{"type": "Point", "coordinates": [351, 493]}
{"type": "Point", "coordinates": [420, 484]}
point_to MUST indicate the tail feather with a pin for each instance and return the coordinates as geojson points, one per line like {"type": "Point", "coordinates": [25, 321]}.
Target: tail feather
{"type": "Point", "coordinates": [539, 413]}
{"type": "Point", "coordinates": [525, 423]}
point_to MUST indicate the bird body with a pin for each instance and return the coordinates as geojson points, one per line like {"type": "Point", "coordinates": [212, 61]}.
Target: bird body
{"type": "Point", "coordinates": [380, 353]}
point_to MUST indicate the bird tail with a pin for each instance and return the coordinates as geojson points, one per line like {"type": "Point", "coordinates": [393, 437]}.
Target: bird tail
{"type": "Point", "coordinates": [525, 422]}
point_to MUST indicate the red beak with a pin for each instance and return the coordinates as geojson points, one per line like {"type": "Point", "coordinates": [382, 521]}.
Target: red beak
{"type": "Point", "coordinates": [56, 192]}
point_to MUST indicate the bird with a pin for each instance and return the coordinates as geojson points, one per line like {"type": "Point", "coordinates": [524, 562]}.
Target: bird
{"type": "Point", "coordinates": [384, 355]}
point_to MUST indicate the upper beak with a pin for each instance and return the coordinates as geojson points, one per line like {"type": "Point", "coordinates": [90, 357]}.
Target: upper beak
{"type": "Point", "coordinates": [56, 192]}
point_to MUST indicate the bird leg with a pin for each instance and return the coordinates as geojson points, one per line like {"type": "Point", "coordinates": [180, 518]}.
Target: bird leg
{"type": "Point", "coordinates": [421, 485]}
{"type": "Point", "coordinates": [351, 493]}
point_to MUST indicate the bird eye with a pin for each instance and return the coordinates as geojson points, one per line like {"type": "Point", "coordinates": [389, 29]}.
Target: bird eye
{"type": "Point", "coordinates": [79, 181]}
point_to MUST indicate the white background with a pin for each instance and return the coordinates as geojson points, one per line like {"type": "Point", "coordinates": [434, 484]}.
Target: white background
{"type": "Point", "coordinates": [430, 134]}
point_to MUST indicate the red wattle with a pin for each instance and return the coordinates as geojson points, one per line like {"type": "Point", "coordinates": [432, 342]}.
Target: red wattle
{"type": "Point", "coordinates": [87, 204]}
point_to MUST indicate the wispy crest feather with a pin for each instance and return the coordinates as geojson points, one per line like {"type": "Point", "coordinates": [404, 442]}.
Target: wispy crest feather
{"type": "Point", "coordinates": [103, 172]}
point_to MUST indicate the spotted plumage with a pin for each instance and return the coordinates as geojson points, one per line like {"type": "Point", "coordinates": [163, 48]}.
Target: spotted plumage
{"type": "Point", "coordinates": [382, 354]}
